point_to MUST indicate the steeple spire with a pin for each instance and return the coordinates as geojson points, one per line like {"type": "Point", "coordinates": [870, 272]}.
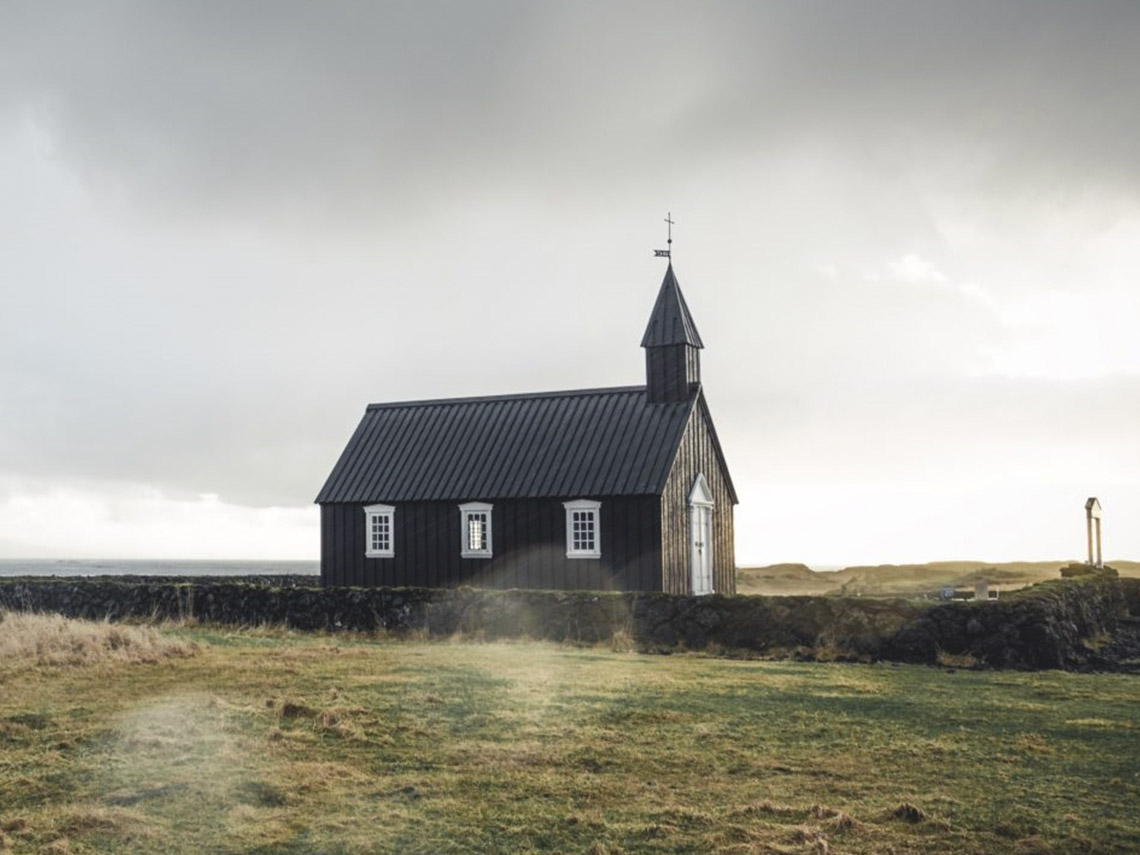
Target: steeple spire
{"type": "Point", "coordinates": [670, 322]}
{"type": "Point", "coordinates": [672, 345]}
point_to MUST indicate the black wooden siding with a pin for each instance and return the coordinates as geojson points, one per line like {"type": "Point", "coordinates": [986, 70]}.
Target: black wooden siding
{"type": "Point", "coordinates": [528, 540]}
{"type": "Point", "coordinates": [697, 454]}
{"type": "Point", "coordinates": [672, 372]}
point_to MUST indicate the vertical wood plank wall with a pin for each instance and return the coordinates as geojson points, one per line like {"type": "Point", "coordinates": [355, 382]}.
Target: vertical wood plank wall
{"type": "Point", "coordinates": [528, 541]}
{"type": "Point", "coordinates": [696, 454]}
{"type": "Point", "coordinates": [671, 371]}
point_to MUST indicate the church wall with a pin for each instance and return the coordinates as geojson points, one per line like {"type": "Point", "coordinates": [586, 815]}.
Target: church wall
{"type": "Point", "coordinates": [528, 540]}
{"type": "Point", "coordinates": [696, 454]}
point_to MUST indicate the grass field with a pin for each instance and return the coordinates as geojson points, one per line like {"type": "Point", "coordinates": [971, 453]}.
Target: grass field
{"type": "Point", "coordinates": [903, 580]}
{"type": "Point", "coordinates": [233, 741]}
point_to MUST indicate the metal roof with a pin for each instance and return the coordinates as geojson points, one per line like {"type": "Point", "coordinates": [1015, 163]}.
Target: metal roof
{"type": "Point", "coordinates": [670, 322]}
{"type": "Point", "coordinates": [592, 442]}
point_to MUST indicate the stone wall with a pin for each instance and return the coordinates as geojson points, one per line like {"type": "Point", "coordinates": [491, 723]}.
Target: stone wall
{"type": "Point", "coordinates": [1043, 627]}
{"type": "Point", "coordinates": [1058, 624]}
{"type": "Point", "coordinates": [651, 621]}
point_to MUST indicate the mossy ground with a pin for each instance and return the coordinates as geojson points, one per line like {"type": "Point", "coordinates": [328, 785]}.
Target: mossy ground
{"type": "Point", "coordinates": [276, 742]}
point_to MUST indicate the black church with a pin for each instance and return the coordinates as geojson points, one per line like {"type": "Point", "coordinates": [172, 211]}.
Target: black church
{"type": "Point", "coordinates": [622, 488]}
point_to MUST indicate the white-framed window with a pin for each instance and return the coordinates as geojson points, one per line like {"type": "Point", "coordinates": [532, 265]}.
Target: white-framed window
{"type": "Point", "coordinates": [379, 534]}
{"type": "Point", "coordinates": [475, 530]}
{"type": "Point", "coordinates": [583, 529]}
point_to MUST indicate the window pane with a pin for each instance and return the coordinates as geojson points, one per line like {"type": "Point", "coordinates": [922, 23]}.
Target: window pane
{"type": "Point", "coordinates": [476, 532]}
{"type": "Point", "coordinates": [583, 525]}
{"type": "Point", "coordinates": [380, 533]}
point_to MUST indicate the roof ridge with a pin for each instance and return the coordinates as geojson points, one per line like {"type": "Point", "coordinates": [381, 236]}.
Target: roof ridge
{"type": "Point", "coordinates": [531, 396]}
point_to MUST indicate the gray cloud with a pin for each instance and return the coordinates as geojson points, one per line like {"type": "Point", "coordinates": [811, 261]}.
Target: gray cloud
{"type": "Point", "coordinates": [384, 111]}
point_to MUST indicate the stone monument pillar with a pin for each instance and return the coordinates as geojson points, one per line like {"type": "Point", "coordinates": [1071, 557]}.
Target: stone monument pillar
{"type": "Point", "coordinates": [1092, 515]}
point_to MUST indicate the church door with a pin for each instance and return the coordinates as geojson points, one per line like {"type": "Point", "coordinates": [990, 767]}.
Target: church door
{"type": "Point", "coordinates": [700, 528]}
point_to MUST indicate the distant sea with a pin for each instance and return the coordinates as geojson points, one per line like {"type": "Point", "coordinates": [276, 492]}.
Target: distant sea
{"type": "Point", "coordinates": [152, 567]}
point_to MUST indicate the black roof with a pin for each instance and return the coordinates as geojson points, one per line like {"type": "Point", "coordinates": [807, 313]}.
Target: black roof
{"type": "Point", "coordinates": [592, 442]}
{"type": "Point", "coordinates": [670, 322]}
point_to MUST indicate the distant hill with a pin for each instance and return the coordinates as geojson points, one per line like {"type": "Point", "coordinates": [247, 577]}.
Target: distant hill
{"type": "Point", "coordinates": [902, 579]}
{"type": "Point", "coordinates": [786, 579]}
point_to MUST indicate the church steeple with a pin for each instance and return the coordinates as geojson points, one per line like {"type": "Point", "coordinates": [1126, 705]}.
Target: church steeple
{"type": "Point", "coordinates": [672, 346]}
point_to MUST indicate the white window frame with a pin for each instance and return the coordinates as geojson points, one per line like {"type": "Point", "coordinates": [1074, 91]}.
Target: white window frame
{"type": "Point", "coordinates": [594, 509]}
{"type": "Point", "coordinates": [466, 512]}
{"type": "Point", "coordinates": [371, 513]}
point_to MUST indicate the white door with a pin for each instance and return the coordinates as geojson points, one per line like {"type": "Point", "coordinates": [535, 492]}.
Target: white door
{"type": "Point", "coordinates": [702, 549]}
{"type": "Point", "coordinates": [700, 537]}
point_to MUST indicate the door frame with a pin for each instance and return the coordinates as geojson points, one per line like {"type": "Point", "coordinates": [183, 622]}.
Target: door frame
{"type": "Point", "coordinates": [701, 507]}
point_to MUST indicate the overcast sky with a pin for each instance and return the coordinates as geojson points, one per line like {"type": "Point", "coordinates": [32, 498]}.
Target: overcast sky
{"type": "Point", "coordinates": [909, 234]}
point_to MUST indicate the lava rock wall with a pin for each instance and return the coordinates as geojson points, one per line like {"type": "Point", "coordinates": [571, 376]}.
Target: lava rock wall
{"type": "Point", "coordinates": [1047, 626]}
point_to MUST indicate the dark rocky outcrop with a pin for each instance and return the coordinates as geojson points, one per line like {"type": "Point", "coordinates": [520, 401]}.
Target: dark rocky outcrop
{"type": "Point", "coordinates": [1056, 624]}
{"type": "Point", "coordinates": [1070, 571]}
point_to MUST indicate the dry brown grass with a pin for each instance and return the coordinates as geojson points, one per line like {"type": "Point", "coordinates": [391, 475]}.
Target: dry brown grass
{"type": "Point", "coordinates": [36, 640]}
{"type": "Point", "coordinates": [956, 660]}
{"type": "Point", "coordinates": [844, 822]}
{"type": "Point", "coordinates": [909, 813]}
{"type": "Point", "coordinates": [813, 837]}
{"type": "Point", "coordinates": [623, 641]}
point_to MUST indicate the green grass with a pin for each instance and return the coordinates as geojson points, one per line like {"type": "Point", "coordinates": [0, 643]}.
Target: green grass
{"type": "Point", "coordinates": [274, 742]}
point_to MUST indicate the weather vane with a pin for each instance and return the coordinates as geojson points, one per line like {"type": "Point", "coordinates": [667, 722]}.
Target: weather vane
{"type": "Point", "coordinates": [666, 253]}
